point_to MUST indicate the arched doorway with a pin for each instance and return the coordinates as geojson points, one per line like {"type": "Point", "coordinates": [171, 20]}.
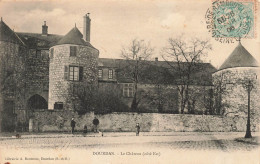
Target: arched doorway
{"type": "Point", "coordinates": [34, 103]}
{"type": "Point", "coordinates": [37, 102]}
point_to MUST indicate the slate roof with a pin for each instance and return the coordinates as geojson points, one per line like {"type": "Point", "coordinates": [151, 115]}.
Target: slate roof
{"type": "Point", "coordinates": [39, 41]}
{"type": "Point", "coordinates": [158, 72]}
{"type": "Point", "coordinates": [8, 35]}
{"type": "Point", "coordinates": [74, 36]}
{"type": "Point", "coordinates": [240, 57]}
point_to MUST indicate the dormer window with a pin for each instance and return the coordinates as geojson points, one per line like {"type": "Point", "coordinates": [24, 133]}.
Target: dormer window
{"type": "Point", "coordinates": [110, 74]}
{"type": "Point", "coordinates": [73, 50]}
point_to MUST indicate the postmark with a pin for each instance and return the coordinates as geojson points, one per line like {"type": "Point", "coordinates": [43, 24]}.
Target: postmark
{"type": "Point", "coordinates": [209, 26]}
{"type": "Point", "coordinates": [233, 19]}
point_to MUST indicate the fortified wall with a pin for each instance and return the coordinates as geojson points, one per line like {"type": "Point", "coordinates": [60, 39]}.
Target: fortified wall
{"type": "Point", "coordinates": [53, 121]}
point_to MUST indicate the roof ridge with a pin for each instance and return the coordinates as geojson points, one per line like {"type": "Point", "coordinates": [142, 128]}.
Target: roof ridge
{"type": "Point", "coordinates": [7, 34]}
{"type": "Point", "coordinates": [31, 33]}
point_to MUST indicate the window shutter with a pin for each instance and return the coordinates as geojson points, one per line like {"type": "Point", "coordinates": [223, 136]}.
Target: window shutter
{"type": "Point", "coordinates": [80, 73]}
{"type": "Point", "coordinates": [66, 72]}
{"type": "Point", "coordinates": [51, 53]}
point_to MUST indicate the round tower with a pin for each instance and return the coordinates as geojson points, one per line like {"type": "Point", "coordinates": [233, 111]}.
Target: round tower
{"type": "Point", "coordinates": [232, 84]}
{"type": "Point", "coordinates": [73, 62]}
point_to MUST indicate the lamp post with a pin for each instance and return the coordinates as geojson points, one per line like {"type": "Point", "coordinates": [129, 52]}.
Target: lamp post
{"type": "Point", "coordinates": [249, 87]}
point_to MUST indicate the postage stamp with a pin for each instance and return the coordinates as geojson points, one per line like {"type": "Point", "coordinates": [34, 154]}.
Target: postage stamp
{"type": "Point", "coordinates": [233, 19]}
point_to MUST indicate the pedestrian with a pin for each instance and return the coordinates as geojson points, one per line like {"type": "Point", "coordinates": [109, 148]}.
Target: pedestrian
{"type": "Point", "coordinates": [137, 129]}
{"type": "Point", "coordinates": [72, 124]}
{"type": "Point", "coordinates": [85, 130]}
{"type": "Point", "coordinates": [95, 123]}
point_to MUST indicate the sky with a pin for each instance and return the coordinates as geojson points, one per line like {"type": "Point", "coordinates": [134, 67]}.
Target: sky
{"type": "Point", "coordinates": [115, 23]}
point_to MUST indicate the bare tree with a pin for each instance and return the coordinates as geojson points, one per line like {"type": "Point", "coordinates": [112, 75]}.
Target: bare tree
{"type": "Point", "coordinates": [136, 54]}
{"type": "Point", "coordinates": [183, 57]}
{"type": "Point", "coordinates": [219, 91]}
{"type": "Point", "coordinates": [86, 98]}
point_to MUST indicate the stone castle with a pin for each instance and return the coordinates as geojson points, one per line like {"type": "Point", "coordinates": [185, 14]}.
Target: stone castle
{"type": "Point", "coordinates": [39, 71]}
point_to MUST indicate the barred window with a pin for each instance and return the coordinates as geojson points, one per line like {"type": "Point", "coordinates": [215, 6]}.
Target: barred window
{"type": "Point", "coordinates": [100, 73]}
{"type": "Point", "coordinates": [110, 74]}
{"type": "Point", "coordinates": [128, 90]}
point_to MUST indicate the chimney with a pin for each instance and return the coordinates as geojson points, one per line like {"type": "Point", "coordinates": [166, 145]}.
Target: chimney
{"type": "Point", "coordinates": [86, 28]}
{"type": "Point", "coordinates": [44, 29]}
{"type": "Point", "coordinates": [156, 59]}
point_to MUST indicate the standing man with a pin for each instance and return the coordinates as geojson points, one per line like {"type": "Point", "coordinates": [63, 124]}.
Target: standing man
{"type": "Point", "coordinates": [95, 122]}
{"type": "Point", "coordinates": [137, 129]}
{"type": "Point", "coordinates": [85, 130]}
{"type": "Point", "coordinates": [72, 124]}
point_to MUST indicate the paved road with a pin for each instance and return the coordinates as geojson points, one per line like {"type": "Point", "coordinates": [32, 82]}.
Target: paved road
{"type": "Point", "coordinates": [196, 141]}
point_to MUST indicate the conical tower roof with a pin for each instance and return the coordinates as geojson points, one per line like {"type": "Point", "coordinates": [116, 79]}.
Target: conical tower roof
{"type": "Point", "coordinates": [240, 57]}
{"type": "Point", "coordinates": [8, 35]}
{"type": "Point", "coordinates": [74, 36]}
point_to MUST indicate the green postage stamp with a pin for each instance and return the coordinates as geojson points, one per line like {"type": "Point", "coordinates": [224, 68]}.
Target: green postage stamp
{"type": "Point", "coordinates": [234, 19]}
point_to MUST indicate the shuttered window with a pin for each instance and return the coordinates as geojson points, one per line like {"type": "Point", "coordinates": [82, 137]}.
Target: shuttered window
{"type": "Point", "coordinates": [73, 50]}
{"type": "Point", "coordinates": [73, 73]}
{"type": "Point", "coordinates": [80, 73]}
{"type": "Point", "coordinates": [66, 72]}
{"type": "Point", "coordinates": [51, 53]}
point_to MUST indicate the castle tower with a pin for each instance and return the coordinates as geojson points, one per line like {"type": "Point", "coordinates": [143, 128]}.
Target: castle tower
{"type": "Point", "coordinates": [231, 81]}
{"type": "Point", "coordinates": [73, 61]}
{"type": "Point", "coordinates": [11, 74]}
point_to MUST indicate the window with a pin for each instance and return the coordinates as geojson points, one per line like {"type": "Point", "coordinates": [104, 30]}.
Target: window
{"type": "Point", "coordinates": [110, 74]}
{"type": "Point", "coordinates": [75, 73]}
{"type": "Point", "coordinates": [100, 73]}
{"type": "Point", "coordinates": [58, 105]}
{"type": "Point", "coordinates": [128, 90]}
{"type": "Point", "coordinates": [38, 53]}
{"type": "Point", "coordinates": [73, 50]}
{"type": "Point", "coordinates": [45, 86]}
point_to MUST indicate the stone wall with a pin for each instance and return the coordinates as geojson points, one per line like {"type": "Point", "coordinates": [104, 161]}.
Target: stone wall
{"type": "Point", "coordinates": [12, 77]}
{"type": "Point", "coordinates": [162, 98]}
{"type": "Point", "coordinates": [37, 73]}
{"type": "Point", "coordinates": [60, 121]}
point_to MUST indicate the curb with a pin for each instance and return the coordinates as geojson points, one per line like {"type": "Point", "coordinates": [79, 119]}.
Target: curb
{"type": "Point", "coordinates": [253, 140]}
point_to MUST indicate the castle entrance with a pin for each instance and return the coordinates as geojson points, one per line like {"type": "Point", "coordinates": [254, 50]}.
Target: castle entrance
{"type": "Point", "coordinates": [34, 103]}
